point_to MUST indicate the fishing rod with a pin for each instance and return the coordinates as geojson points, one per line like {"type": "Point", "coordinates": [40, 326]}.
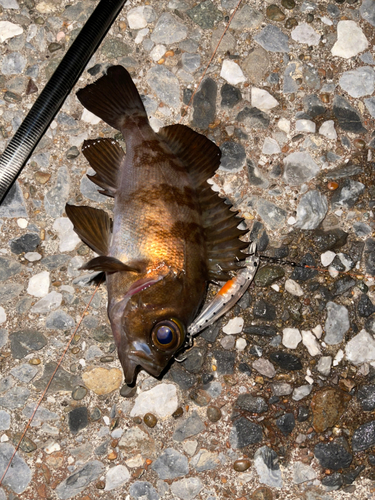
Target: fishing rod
{"type": "Point", "coordinates": [55, 92]}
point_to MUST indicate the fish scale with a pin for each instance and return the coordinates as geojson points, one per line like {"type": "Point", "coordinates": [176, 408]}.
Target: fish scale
{"type": "Point", "coordinates": [171, 233]}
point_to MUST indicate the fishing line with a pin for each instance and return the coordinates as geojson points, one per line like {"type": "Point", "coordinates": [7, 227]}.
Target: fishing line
{"type": "Point", "coordinates": [49, 383]}
{"type": "Point", "coordinates": [184, 111]}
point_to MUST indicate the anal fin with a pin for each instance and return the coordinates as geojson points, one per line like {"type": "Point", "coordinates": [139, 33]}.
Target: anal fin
{"type": "Point", "coordinates": [92, 225]}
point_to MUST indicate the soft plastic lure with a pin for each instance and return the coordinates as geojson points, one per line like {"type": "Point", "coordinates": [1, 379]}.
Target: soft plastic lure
{"type": "Point", "coordinates": [228, 295]}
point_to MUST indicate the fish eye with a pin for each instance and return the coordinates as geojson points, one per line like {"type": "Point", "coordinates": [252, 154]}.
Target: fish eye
{"type": "Point", "coordinates": [167, 335]}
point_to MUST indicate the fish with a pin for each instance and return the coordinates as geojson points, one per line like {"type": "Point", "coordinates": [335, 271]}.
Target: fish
{"type": "Point", "coordinates": [170, 234]}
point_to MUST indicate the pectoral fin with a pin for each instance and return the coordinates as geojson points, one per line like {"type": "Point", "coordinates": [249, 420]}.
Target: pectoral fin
{"type": "Point", "coordinates": [92, 225]}
{"type": "Point", "coordinates": [109, 265]}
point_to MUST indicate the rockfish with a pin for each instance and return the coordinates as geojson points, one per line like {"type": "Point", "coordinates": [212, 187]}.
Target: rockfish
{"type": "Point", "coordinates": [170, 234]}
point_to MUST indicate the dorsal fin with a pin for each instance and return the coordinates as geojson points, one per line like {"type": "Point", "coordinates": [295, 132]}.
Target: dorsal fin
{"type": "Point", "coordinates": [202, 158]}
{"type": "Point", "coordinates": [92, 225]}
{"type": "Point", "coordinates": [105, 157]}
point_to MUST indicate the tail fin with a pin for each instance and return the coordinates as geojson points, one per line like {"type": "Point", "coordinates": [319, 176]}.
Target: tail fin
{"type": "Point", "coordinates": [113, 97]}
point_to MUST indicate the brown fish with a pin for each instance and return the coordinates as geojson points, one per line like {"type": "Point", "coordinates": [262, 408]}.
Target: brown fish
{"type": "Point", "coordinates": [171, 233]}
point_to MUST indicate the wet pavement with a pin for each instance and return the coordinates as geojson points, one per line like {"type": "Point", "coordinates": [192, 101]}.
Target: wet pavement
{"type": "Point", "coordinates": [275, 400]}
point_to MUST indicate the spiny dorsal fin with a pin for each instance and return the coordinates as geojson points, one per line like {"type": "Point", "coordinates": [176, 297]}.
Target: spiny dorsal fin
{"type": "Point", "coordinates": [113, 97]}
{"type": "Point", "coordinates": [109, 265]}
{"type": "Point", "coordinates": [202, 158]}
{"type": "Point", "coordinates": [92, 225]}
{"type": "Point", "coordinates": [105, 157]}
{"type": "Point", "coordinates": [200, 155]}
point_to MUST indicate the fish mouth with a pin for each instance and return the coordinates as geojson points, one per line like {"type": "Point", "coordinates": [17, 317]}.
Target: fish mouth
{"type": "Point", "coordinates": [141, 356]}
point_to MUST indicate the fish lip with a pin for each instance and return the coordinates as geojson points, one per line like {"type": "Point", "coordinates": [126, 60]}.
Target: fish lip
{"type": "Point", "coordinates": [139, 358]}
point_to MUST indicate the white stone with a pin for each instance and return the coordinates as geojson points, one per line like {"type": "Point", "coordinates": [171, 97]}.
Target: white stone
{"type": "Point", "coordinates": [3, 316]}
{"type": "Point", "coordinates": [157, 52]}
{"type": "Point", "coordinates": [291, 220]}
{"type": "Point", "coordinates": [161, 400]}
{"type": "Point", "coordinates": [324, 365]}
{"type": "Point", "coordinates": [361, 348]}
{"type": "Point", "coordinates": [262, 99]}
{"type": "Point", "coordinates": [39, 284]}
{"type": "Point", "coordinates": [301, 392]}
{"type": "Point", "coordinates": [68, 238]}
{"type": "Point", "coordinates": [190, 447]}
{"type": "Point", "coordinates": [234, 326]}
{"type": "Point", "coordinates": [232, 73]}
{"type": "Point", "coordinates": [339, 357]}
{"type": "Point", "coordinates": [89, 117]}
{"type": "Point", "coordinates": [284, 125]}
{"type": "Point", "coordinates": [291, 338]}
{"type": "Point", "coordinates": [136, 461]}
{"type": "Point", "coordinates": [328, 130]}
{"type": "Point", "coordinates": [139, 17]}
{"type": "Point", "coordinates": [326, 20]}
{"type": "Point", "coordinates": [45, 7]}
{"type": "Point", "coordinates": [9, 30]}
{"type": "Point", "coordinates": [318, 331]}
{"type": "Point", "coordinates": [304, 33]}
{"type": "Point", "coordinates": [310, 342]}
{"type": "Point", "coordinates": [241, 344]}
{"type": "Point", "coordinates": [350, 40]}
{"type": "Point", "coordinates": [48, 303]}
{"type": "Point", "coordinates": [116, 477]}
{"type": "Point", "coordinates": [32, 256]}
{"type": "Point", "coordinates": [305, 126]}
{"type": "Point", "coordinates": [358, 82]}
{"type": "Point", "coordinates": [22, 223]}
{"type": "Point", "coordinates": [52, 448]}
{"type": "Point", "coordinates": [293, 288]}
{"type": "Point", "coordinates": [327, 258]}
{"type": "Point", "coordinates": [270, 147]}
{"type": "Point", "coordinates": [140, 35]}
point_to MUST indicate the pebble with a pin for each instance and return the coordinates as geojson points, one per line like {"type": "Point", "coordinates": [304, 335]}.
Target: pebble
{"type": "Point", "coordinates": [59, 320]}
{"type": "Point", "coordinates": [305, 126]}
{"type": "Point", "coordinates": [4, 420]}
{"type": "Point", "coordinates": [293, 288]}
{"type": "Point", "coordinates": [348, 193]}
{"type": "Point", "coordinates": [267, 467]}
{"type": "Point", "coordinates": [304, 33]}
{"type": "Point", "coordinates": [301, 392]}
{"type": "Point", "coordinates": [116, 477]}
{"type": "Point", "coordinates": [270, 147]}
{"type": "Point", "coordinates": [366, 396]}
{"type": "Point", "coordinates": [350, 40]}
{"type": "Point", "coordinates": [19, 475]}
{"type": "Point", "coordinates": [224, 362]}
{"type": "Point", "coordinates": [170, 464]}
{"type": "Point", "coordinates": [143, 490]}
{"type": "Point", "coordinates": [364, 436]}
{"type": "Point", "coordinates": [347, 116]}
{"type": "Point", "coordinates": [191, 426]}
{"type": "Point", "coordinates": [256, 64]}
{"type": "Point", "coordinates": [337, 323]}
{"type": "Point", "coordinates": [286, 423]}
{"type": "Point", "coordinates": [241, 465]}
{"type": "Point", "coordinates": [165, 85]}
{"type": "Point", "coordinates": [13, 64]}
{"type": "Point", "coordinates": [358, 82]}
{"type": "Point", "coordinates": [244, 433]}
{"type": "Point", "coordinates": [73, 485]}
{"type": "Point", "coordinates": [246, 19]}
{"type": "Point", "coordinates": [25, 243]}
{"type": "Point", "coordinates": [68, 238]}
{"type": "Point", "coordinates": [39, 284]}
{"type": "Point", "coordinates": [139, 17]}
{"type": "Point", "coordinates": [303, 473]}
{"type": "Point", "coordinates": [213, 414]}
{"type": "Point", "coordinates": [205, 15]}
{"type": "Point", "coordinates": [327, 406]}
{"type": "Point", "coordinates": [24, 373]}
{"type": "Point", "coordinates": [78, 419]}
{"type": "Point", "coordinates": [204, 104]}
{"type": "Point", "coordinates": [299, 168]}
{"type": "Point", "coordinates": [281, 389]}
{"type": "Point", "coordinates": [247, 402]}
{"type": "Point", "coordinates": [310, 342]}
{"type": "Point", "coordinates": [262, 99]}
{"type": "Point", "coordinates": [102, 380]}
{"type": "Point", "coordinates": [332, 456]}
{"type": "Point", "coordinates": [286, 361]}
{"type": "Point", "coordinates": [264, 367]}
{"type": "Point", "coordinates": [48, 303]}
{"type": "Point", "coordinates": [9, 30]}
{"type": "Point", "coordinates": [361, 348]}
{"type": "Point", "coordinates": [271, 214]}
{"type": "Point", "coordinates": [291, 338]}
{"type": "Point", "coordinates": [231, 72]}
{"type": "Point", "coordinates": [327, 129]}
{"type": "Point", "coordinates": [271, 38]}
{"type": "Point", "coordinates": [187, 488]}
{"type": "Point", "coordinates": [205, 460]}
{"type": "Point", "coordinates": [233, 326]}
